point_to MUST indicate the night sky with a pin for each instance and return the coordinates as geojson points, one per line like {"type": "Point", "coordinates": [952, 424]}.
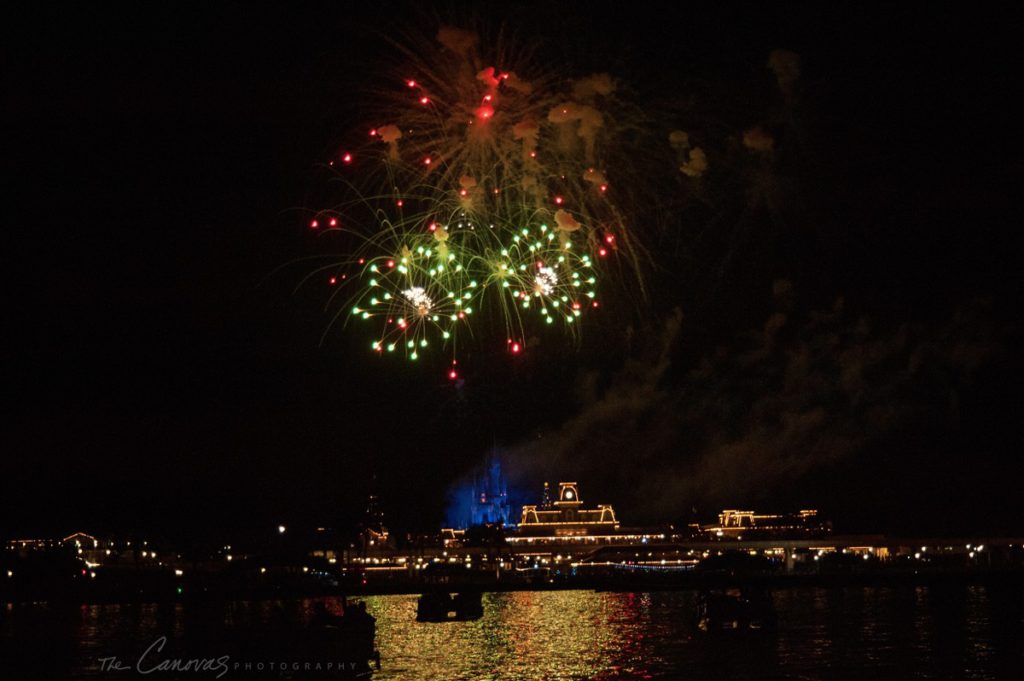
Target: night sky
{"type": "Point", "coordinates": [842, 332]}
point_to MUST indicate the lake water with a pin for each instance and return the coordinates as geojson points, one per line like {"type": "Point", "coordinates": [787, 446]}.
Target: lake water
{"type": "Point", "coordinates": [970, 632]}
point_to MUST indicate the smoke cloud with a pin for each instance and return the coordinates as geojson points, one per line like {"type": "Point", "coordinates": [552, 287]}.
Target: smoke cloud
{"type": "Point", "coordinates": [786, 67]}
{"type": "Point", "coordinates": [799, 393]}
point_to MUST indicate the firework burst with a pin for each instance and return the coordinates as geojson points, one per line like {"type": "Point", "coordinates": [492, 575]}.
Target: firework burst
{"type": "Point", "coordinates": [537, 274]}
{"type": "Point", "coordinates": [482, 188]}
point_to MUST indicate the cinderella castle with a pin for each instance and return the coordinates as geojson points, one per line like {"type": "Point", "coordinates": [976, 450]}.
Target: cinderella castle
{"type": "Point", "coordinates": [490, 503]}
{"type": "Point", "coordinates": [483, 499]}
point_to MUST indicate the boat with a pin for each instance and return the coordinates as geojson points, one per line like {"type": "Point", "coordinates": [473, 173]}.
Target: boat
{"type": "Point", "coordinates": [440, 606]}
{"type": "Point", "coordinates": [352, 634]}
{"type": "Point", "coordinates": [734, 610]}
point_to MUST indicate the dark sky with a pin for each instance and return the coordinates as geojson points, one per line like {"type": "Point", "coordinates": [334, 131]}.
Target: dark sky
{"type": "Point", "coordinates": [159, 375]}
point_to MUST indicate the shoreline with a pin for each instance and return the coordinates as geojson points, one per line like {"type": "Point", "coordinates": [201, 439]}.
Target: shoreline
{"type": "Point", "coordinates": [679, 582]}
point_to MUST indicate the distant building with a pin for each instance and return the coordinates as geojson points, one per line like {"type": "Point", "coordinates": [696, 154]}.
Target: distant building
{"type": "Point", "coordinates": [735, 523]}
{"type": "Point", "coordinates": [76, 541]}
{"type": "Point", "coordinates": [81, 540]}
{"type": "Point", "coordinates": [567, 517]}
{"type": "Point", "coordinates": [545, 501]}
{"type": "Point", "coordinates": [22, 546]}
{"type": "Point", "coordinates": [490, 496]}
{"type": "Point", "coordinates": [374, 532]}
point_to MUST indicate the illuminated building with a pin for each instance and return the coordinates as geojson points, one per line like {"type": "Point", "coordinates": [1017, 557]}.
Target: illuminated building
{"type": "Point", "coordinates": [482, 499]}
{"type": "Point", "coordinates": [32, 544]}
{"type": "Point", "coordinates": [490, 497]}
{"type": "Point", "coordinates": [545, 501]}
{"type": "Point", "coordinates": [80, 539]}
{"type": "Point", "coordinates": [77, 542]}
{"type": "Point", "coordinates": [567, 517]}
{"type": "Point", "coordinates": [374, 533]}
{"type": "Point", "coordinates": [735, 523]}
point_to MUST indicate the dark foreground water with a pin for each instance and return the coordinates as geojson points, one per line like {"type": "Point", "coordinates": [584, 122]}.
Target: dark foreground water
{"type": "Point", "coordinates": [971, 632]}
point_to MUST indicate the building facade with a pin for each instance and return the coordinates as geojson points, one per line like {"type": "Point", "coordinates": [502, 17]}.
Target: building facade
{"type": "Point", "coordinates": [567, 516]}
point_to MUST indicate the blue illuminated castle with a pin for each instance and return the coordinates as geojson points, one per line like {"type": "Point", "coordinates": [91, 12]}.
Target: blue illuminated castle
{"type": "Point", "coordinates": [490, 496]}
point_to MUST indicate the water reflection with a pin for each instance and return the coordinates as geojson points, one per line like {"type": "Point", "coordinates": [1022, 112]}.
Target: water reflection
{"type": "Point", "coordinates": [952, 631]}
{"type": "Point", "coordinates": [542, 635]}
